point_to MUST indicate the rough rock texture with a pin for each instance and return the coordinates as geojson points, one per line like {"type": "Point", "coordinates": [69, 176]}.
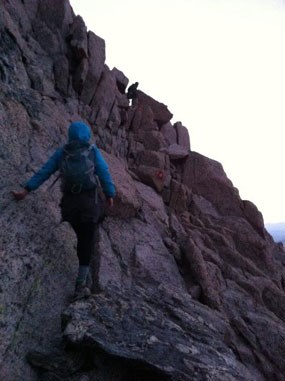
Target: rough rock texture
{"type": "Point", "coordinates": [187, 284]}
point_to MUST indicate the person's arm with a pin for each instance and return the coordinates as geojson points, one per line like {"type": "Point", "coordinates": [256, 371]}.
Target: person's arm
{"type": "Point", "coordinates": [20, 195]}
{"type": "Point", "coordinates": [51, 166]}
{"type": "Point", "coordinates": [104, 175]}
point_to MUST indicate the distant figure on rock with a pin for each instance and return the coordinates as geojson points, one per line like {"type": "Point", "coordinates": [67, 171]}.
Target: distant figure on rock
{"type": "Point", "coordinates": [133, 93]}
{"type": "Point", "coordinates": [79, 163]}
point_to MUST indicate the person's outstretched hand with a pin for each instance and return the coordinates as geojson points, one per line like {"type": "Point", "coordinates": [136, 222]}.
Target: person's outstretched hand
{"type": "Point", "coordinates": [20, 195]}
{"type": "Point", "coordinates": [110, 201]}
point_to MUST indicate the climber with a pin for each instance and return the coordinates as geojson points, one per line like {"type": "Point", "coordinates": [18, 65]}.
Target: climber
{"type": "Point", "coordinates": [79, 164]}
{"type": "Point", "coordinates": [132, 93]}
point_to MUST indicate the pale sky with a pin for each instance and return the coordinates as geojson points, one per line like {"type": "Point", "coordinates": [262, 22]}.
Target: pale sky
{"type": "Point", "coordinates": [219, 66]}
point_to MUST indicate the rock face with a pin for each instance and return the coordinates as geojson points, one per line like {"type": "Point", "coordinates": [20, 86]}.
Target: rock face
{"type": "Point", "coordinates": [187, 284]}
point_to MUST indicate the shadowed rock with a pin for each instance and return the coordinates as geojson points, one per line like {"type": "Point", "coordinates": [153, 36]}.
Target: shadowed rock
{"type": "Point", "coordinates": [155, 332]}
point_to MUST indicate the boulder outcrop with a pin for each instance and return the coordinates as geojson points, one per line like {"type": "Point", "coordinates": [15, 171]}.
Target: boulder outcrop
{"type": "Point", "coordinates": [186, 282]}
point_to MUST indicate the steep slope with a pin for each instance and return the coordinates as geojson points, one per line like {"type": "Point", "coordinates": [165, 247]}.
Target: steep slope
{"type": "Point", "coordinates": [187, 283]}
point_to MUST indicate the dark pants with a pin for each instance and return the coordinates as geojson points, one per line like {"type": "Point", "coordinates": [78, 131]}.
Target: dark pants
{"type": "Point", "coordinates": [85, 233]}
{"type": "Point", "coordinates": [83, 211]}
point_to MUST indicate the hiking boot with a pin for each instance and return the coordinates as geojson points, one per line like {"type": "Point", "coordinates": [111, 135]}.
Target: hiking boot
{"type": "Point", "coordinates": [81, 292]}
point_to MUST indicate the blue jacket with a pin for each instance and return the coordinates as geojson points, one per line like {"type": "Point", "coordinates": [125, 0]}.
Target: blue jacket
{"type": "Point", "coordinates": [77, 131]}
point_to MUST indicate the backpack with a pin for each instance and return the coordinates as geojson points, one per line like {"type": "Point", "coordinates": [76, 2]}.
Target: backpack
{"type": "Point", "coordinates": [132, 90]}
{"type": "Point", "coordinates": [77, 167]}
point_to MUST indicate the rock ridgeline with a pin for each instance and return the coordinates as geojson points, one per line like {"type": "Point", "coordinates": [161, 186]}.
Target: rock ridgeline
{"type": "Point", "coordinates": [187, 283]}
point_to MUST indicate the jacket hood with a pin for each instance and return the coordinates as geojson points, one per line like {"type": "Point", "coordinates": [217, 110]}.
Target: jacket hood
{"type": "Point", "coordinates": [79, 131]}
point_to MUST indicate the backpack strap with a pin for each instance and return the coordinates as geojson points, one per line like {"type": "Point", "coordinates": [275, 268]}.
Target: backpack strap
{"type": "Point", "coordinates": [53, 183]}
